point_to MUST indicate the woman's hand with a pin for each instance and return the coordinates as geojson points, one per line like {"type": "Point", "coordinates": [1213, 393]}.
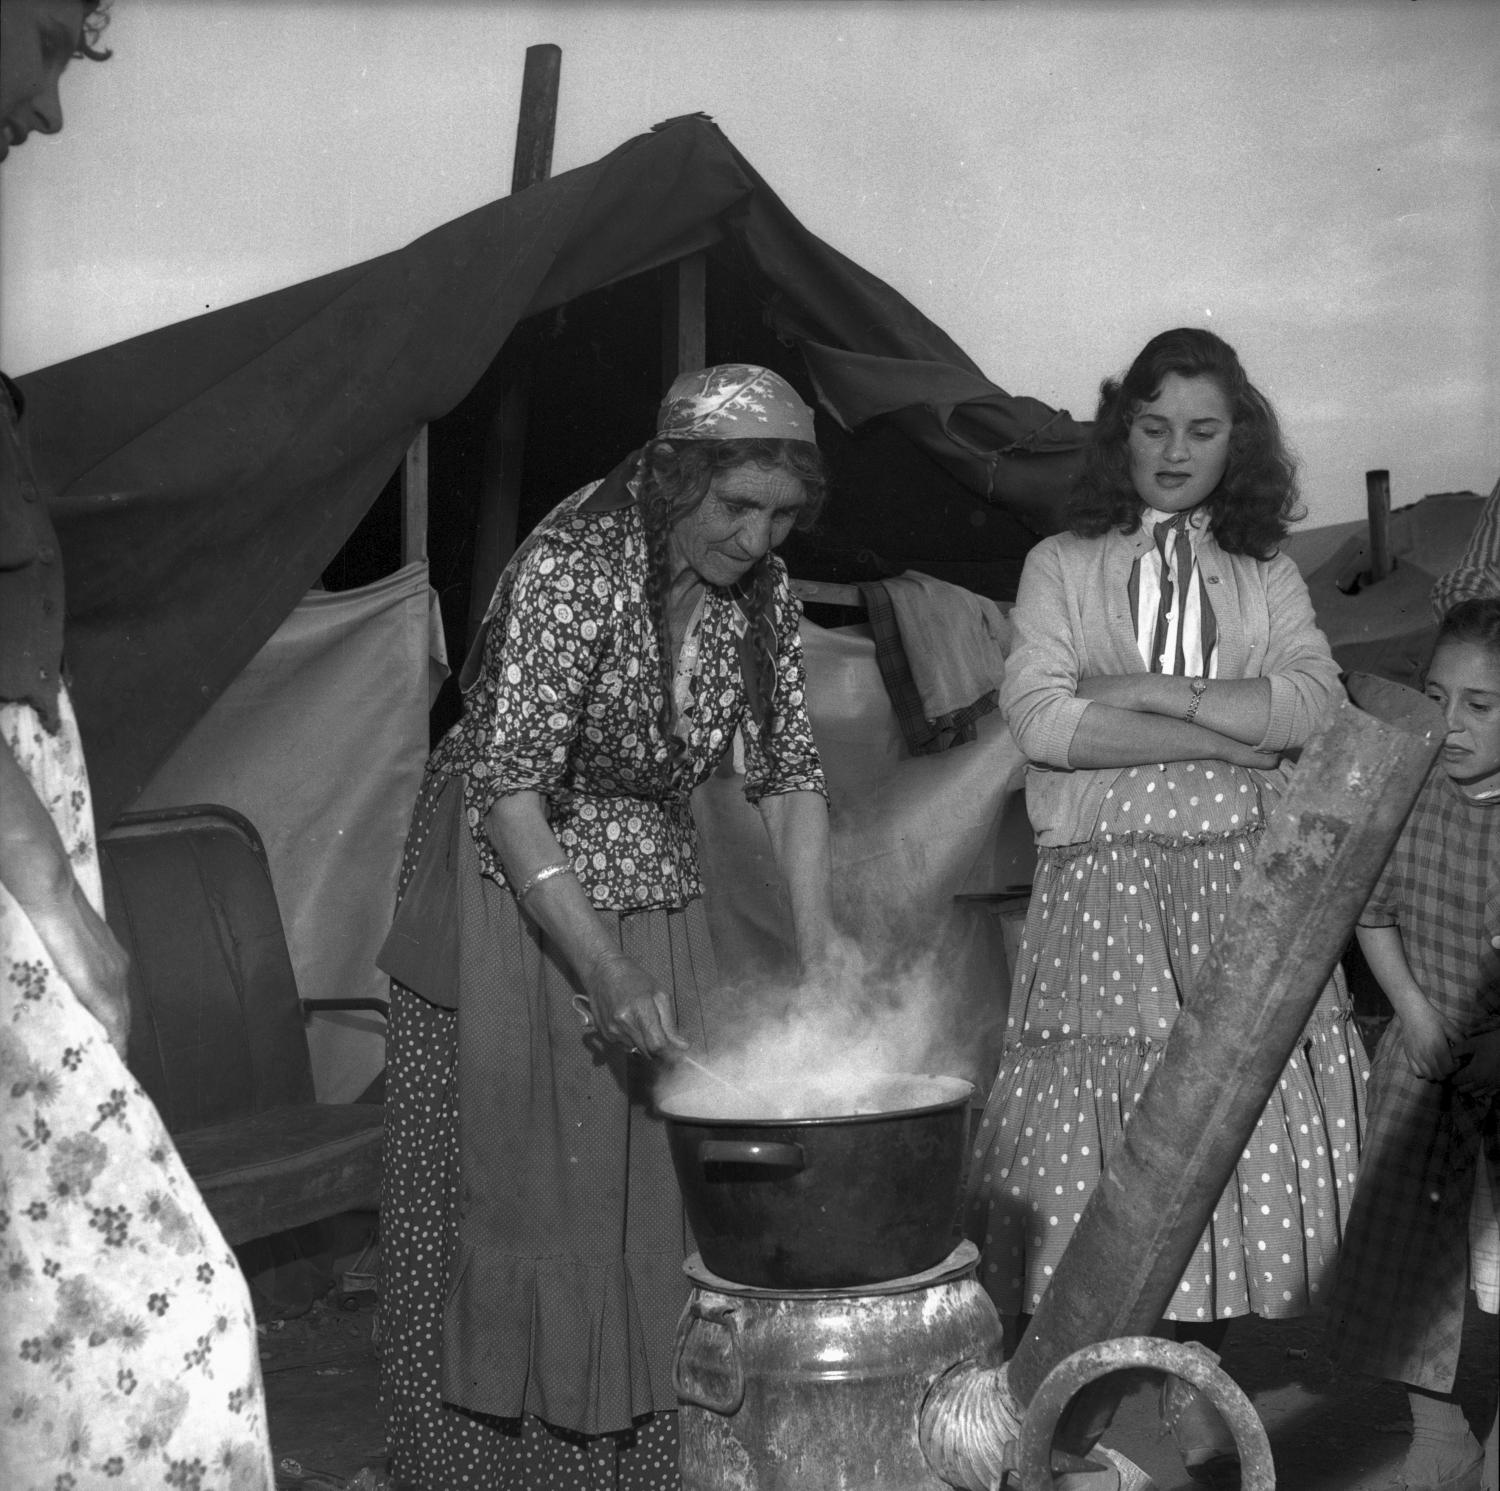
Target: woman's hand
{"type": "Point", "coordinates": [35, 869]}
{"type": "Point", "coordinates": [90, 959]}
{"type": "Point", "coordinates": [1238, 754]}
{"type": "Point", "coordinates": [1478, 1061]}
{"type": "Point", "coordinates": [829, 956]}
{"type": "Point", "coordinates": [1428, 1041]}
{"type": "Point", "coordinates": [628, 1008]}
{"type": "Point", "coordinates": [620, 1000]}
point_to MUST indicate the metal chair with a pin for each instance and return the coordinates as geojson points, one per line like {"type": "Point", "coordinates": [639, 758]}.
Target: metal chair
{"type": "Point", "coordinates": [217, 1027]}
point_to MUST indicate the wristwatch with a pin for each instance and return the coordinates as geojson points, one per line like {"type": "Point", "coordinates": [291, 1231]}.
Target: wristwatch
{"type": "Point", "coordinates": [1199, 687]}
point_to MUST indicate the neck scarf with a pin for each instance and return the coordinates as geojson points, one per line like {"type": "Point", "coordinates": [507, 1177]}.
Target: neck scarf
{"type": "Point", "coordinates": [1174, 624]}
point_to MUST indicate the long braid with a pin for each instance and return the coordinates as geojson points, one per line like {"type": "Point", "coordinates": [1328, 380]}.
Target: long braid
{"type": "Point", "coordinates": [759, 588]}
{"type": "Point", "coordinates": [656, 519]}
{"type": "Point", "coordinates": [675, 478]}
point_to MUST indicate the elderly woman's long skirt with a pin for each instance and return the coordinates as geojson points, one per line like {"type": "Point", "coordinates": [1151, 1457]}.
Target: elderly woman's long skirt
{"type": "Point", "coordinates": [532, 1235]}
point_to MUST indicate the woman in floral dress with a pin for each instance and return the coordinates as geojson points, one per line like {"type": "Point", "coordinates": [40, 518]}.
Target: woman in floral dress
{"type": "Point", "coordinates": [127, 1344]}
{"type": "Point", "coordinates": [1166, 661]}
{"type": "Point", "coordinates": [532, 1232]}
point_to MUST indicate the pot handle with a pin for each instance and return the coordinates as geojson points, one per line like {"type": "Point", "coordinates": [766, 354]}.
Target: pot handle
{"type": "Point", "coordinates": [750, 1152]}
{"type": "Point", "coordinates": [718, 1388]}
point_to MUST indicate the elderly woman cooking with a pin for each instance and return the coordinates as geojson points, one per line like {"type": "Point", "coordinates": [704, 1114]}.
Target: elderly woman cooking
{"type": "Point", "coordinates": [532, 1234]}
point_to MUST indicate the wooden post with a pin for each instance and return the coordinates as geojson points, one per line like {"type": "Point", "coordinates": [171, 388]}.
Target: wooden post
{"type": "Point", "coordinates": [414, 500]}
{"type": "Point", "coordinates": [1324, 844]}
{"type": "Point", "coordinates": [538, 118]}
{"type": "Point", "coordinates": [1378, 502]}
{"type": "Point", "coordinates": [505, 439]}
{"type": "Point", "coordinates": [684, 324]}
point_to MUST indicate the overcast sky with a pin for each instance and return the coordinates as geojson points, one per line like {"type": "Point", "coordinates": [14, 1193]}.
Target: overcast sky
{"type": "Point", "coordinates": [1051, 180]}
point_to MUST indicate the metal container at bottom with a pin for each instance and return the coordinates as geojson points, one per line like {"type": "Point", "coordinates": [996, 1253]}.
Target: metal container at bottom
{"type": "Point", "coordinates": [787, 1391]}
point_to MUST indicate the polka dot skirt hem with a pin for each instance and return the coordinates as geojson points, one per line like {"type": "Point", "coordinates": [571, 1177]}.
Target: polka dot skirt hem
{"type": "Point", "coordinates": [1117, 928]}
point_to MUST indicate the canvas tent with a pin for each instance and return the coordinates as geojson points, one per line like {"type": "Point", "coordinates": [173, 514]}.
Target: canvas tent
{"type": "Point", "coordinates": [1387, 626]}
{"type": "Point", "coordinates": [209, 472]}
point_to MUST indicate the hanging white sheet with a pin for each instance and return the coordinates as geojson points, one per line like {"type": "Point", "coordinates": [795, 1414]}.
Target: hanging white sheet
{"type": "Point", "coordinates": [910, 834]}
{"type": "Point", "coordinates": [320, 742]}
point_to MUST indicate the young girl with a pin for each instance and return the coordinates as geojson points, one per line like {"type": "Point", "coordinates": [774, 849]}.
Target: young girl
{"type": "Point", "coordinates": [1166, 660]}
{"type": "Point", "coordinates": [1432, 1158]}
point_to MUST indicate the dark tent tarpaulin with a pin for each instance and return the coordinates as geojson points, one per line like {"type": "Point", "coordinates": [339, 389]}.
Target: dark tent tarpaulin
{"type": "Point", "coordinates": [206, 472]}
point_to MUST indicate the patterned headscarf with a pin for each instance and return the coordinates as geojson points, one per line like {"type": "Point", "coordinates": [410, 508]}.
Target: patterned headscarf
{"type": "Point", "coordinates": [733, 401]}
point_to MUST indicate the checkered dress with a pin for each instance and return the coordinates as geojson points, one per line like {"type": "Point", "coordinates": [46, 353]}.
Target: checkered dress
{"type": "Point", "coordinates": [1398, 1305]}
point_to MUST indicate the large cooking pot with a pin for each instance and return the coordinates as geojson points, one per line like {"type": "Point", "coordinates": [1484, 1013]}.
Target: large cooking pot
{"type": "Point", "coordinates": [826, 1185]}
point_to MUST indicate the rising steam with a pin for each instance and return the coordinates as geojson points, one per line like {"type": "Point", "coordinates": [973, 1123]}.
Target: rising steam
{"type": "Point", "coordinates": [826, 1044]}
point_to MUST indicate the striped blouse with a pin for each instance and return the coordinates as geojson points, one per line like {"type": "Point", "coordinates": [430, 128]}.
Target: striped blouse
{"type": "Point", "coordinates": [1174, 623]}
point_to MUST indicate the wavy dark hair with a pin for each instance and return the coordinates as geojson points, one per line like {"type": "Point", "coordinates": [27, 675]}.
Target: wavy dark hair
{"type": "Point", "coordinates": [1255, 503]}
{"type": "Point", "coordinates": [95, 19]}
{"type": "Point", "coordinates": [1475, 620]}
{"type": "Point", "coordinates": [675, 478]}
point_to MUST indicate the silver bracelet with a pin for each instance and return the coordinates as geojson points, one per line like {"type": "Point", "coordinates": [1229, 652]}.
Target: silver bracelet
{"type": "Point", "coordinates": [1198, 686]}
{"type": "Point", "coordinates": [562, 867]}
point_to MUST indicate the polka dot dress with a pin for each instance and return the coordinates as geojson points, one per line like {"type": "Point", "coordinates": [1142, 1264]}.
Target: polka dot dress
{"type": "Point", "coordinates": [427, 1293]}
{"type": "Point", "coordinates": [1117, 928]}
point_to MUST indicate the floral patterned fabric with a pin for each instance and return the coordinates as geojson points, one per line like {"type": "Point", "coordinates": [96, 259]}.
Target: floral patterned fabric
{"type": "Point", "coordinates": [567, 705]}
{"type": "Point", "coordinates": [128, 1350]}
{"type": "Point", "coordinates": [733, 401]}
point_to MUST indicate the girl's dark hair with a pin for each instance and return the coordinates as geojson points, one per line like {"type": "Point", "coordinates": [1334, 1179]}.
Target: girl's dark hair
{"type": "Point", "coordinates": [675, 478]}
{"type": "Point", "coordinates": [95, 19]}
{"type": "Point", "coordinates": [1475, 620]}
{"type": "Point", "coordinates": [1251, 509]}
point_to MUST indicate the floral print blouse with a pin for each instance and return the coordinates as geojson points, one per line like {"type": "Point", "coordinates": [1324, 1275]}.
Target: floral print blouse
{"type": "Point", "coordinates": [568, 699]}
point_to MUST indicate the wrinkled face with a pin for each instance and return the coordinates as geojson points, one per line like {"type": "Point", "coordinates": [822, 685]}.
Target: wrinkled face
{"type": "Point", "coordinates": [746, 513]}
{"type": "Point", "coordinates": [1464, 682]}
{"type": "Point", "coordinates": [1179, 443]}
{"type": "Point", "coordinates": [37, 37]}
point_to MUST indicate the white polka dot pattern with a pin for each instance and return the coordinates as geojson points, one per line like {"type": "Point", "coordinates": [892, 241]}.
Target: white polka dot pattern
{"type": "Point", "coordinates": [1117, 929]}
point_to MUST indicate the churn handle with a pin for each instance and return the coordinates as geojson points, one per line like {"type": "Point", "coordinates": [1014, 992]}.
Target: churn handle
{"type": "Point", "coordinates": [722, 1316]}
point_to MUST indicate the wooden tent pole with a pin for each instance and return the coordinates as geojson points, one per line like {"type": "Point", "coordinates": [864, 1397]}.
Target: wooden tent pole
{"type": "Point", "coordinates": [537, 124]}
{"type": "Point", "coordinates": [505, 437]}
{"type": "Point", "coordinates": [684, 322]}
{"type": "Point", "coordinates": [1378, 504]}
{"type": "Point", "coordinates": [414, 500]}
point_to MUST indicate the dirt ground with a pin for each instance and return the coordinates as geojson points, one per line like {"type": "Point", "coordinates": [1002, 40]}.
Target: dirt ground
{"type": "Point", "coordinates": [1328, 1433]}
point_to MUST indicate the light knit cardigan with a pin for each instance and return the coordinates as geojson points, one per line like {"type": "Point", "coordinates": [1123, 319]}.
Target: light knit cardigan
{"type": "Point", "coordinates": [1073, 620]}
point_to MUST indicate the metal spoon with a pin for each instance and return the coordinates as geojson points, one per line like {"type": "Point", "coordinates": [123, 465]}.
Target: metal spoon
{"type": "Point", "coordinates": [753, 1096]}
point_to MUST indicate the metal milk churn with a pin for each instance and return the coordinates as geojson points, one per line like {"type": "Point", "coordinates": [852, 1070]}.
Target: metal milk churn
{"type": "Point", "coordinates": [795, 1390]}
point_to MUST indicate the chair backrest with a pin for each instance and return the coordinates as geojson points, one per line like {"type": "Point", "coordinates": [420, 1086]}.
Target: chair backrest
{"type": "Point", "coordinates": [216, 1024]}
